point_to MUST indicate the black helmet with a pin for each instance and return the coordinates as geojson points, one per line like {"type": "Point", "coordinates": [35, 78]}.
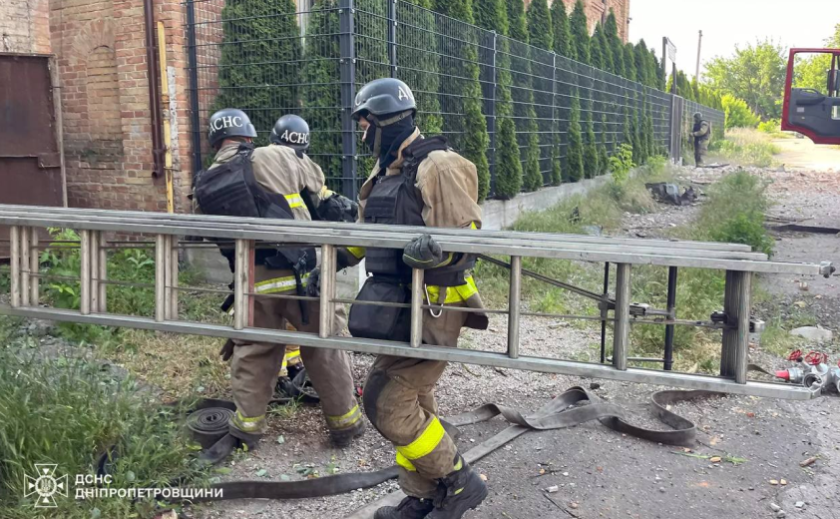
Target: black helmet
{"type": "Point", "coordinates": [292, 131]}
{"type": "Point", "coordinates": [698, 116]}
{"type": "Point", "coordinates": [230, 122]}
{"type": "Point", "coordinates": [382, 97]}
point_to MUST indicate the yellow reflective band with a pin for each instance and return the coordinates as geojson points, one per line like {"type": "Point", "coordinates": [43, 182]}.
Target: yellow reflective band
{"type": "Point", "coordinates": [403, 462]}
{"type": "Point", "coordinates": [457, 294]}
{"type": "Point", "coordinates": [294, 200]}
{"type": "Point", "coordinates": [247, 424]}
{"type": "Point", "coordinates": [458, 466]}
{"type": "Point", "coordinates": [272, 286]}
{"type": "Point", "coordinates": [346, 420]}
{"type": "Point", "coordinates": [473, 226]}
{"type": "Point", "coordinates": [425, 443]}
{"type": "Point", "coordinates": [358, 252]}
{"type": "Point", "coordinates": [292, 354]}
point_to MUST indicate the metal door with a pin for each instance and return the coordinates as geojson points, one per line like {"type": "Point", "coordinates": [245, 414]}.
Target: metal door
{"type": "Point", "coordinates": [31, 158]}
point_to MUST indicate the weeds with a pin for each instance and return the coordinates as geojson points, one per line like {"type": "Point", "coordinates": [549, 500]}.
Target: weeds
{"type": "Point", "coordinates": [68, 412]}
{"type": "Point", "coordinates": [746, 147]}
{"type": "Point", "coordinates": [735, 213]}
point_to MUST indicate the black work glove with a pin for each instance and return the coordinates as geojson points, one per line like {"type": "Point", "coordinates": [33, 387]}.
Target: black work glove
{"type": "Point", "coordinates": [313, 283]}
{"type": "Point", "coordinates": [423, 253]}
{"type": "Point", "coordinates": [227, 350]}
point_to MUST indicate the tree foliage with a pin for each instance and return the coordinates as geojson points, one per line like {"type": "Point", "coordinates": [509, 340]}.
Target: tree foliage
{"type": "Point", "coordinates": [738, 113]}
{"type": "Point", "coordinates": [580, 33]}
{"type": "Point", "coordinates": [755, 74]}
{"type": "Point", "coordinates": [810, 72]}
{"type": "Point", "coordinates": [472, 125]}
{"type": "Point", "coordinates": [492, 15]}
{"type": "Point", "coordinates": [596, 49]}
{"type": "Point", "coordinates": [420, 48]}
{"type": "Point", "coordinates": [540, 29]}
{"type": "Point", "coordinates": [259, 63]}
{"type": "Point", "coordinates": [591, 168]}
{"type": "Point", "coordinates": [516, 20]}
{"type": "Point", "coordinates": [562, 32]}
{"type": "Point", "coordinates": [574, 160]}
{"type": "Point", "coordinates": [603, 149]}
{"type": "Point", "coordinates": [614, 42]}
{"type": "Point", "coordinates": [321, 72]}
{"type": "Point", "coordinates": [630, 62]}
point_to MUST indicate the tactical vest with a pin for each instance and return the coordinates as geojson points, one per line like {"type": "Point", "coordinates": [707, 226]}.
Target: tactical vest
{"type": "Point", "coordinates": [706, 137]}
{"type": "Point", "coordinates": [395, 200]}
{"type": "Point", "coordinates": [230, 189]}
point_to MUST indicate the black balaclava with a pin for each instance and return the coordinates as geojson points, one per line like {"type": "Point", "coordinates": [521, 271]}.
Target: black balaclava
{"type": "Point", "coordinates": [390, 139]}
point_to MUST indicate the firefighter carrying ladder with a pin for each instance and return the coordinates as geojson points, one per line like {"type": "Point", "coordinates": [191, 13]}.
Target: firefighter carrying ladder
{"type": "Point", "coordinates": [740, 264]}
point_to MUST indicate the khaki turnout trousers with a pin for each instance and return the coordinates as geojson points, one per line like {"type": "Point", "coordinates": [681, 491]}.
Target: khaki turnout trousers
{"type": "Point", "coordinates": [399, 400]}
{"type": "Point", "coordinates": [255, 366]}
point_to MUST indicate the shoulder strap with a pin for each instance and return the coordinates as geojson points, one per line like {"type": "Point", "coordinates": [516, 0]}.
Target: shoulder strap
{"type": "Point", "coordinates": [417, 151]}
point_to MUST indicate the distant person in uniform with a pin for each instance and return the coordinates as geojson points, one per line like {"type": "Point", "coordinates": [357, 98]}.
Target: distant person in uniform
{"type": "Point", "coordinates": [702, 133]}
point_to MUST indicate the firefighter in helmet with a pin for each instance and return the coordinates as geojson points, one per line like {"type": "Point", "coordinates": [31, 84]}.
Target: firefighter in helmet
{"type": "Point", "coordinates": [275, 181]}
{"type": "Point", "coordinates": [421, 182]}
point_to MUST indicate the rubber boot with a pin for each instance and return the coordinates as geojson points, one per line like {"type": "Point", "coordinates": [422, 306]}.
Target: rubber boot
{"type": "Point", "coordinates": [460, 491]}
{"type": "Point", "coordinates": [343, 437]}
{"type": "Point", "coordinates": [409, 508]}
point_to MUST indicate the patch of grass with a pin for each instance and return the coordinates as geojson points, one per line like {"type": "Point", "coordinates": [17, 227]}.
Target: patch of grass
{"type": "Point", "coordinates": [69, 411]}
{"type": "Point", "coordinates": [735, 213]}
{"type": "Point", "coordinates": [746, 147]}
{"type": "Point", "coordinates": [179, 365]}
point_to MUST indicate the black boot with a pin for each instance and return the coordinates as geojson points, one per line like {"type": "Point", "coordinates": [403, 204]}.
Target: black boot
{"type": "Point", "coordinates": [409, 508]}
{"type": "Point", "coordinates": [460, 491]}
{"type": "Point", "coordinates": [343, 437]}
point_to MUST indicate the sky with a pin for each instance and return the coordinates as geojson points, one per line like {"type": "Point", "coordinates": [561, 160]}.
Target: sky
{"type": "Point", "coordinates": [727, 23]}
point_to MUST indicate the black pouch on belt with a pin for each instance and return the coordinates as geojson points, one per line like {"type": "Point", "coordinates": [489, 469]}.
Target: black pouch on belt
{"type": "Point", "coordinates": [381, 322]}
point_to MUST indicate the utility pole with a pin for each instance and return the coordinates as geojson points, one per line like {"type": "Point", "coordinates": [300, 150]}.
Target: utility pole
{"type": "Point", "coordinates": [699, 46]}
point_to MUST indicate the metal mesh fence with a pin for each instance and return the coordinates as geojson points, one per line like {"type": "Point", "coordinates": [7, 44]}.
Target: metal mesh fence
{"type": "Point", "coordinates": [272, 57]}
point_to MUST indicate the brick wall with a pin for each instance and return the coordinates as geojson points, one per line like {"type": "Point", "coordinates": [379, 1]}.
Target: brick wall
{"type": "Point", "coordinates": [103, 72]}
{"type": "Point", "coordinates": [25, 26]}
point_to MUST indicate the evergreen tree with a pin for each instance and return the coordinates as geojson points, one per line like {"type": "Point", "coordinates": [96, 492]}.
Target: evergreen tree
{"type": "Point", "coordinates": [660, 73]}
{"type": "Point", "coordinates": [540, 29]}
{"type": "Point", "coordinates": [603, 153]}
{"type": "Point", "coordinates": [580, 32]}
{"type": "Point", "coordinates": [606, 49]}
{"type": "Point", "coordinates": [574, 161]}
{"type": "Point", "coordinates": [474, 141]}
{"type": "Point", "coordinates": [260, 56]}
{"type": "Point", "coordinates": [590, 154]}
{"type": "Point", "coordinates": [596, 49]}
{"type": "Point", "coordinates": [695, 90]}
{"type": "Point", "coordinates": [636, 137]}
{"type": "Point", "coordinates": [556, 168]}
{"type": "Point", "coordinates": [630, 62]}
{"type": "Point", "coordinates": [523, 94]}
{"type": "Point", "coordinates": [669, 86]}
{"type": "Point", "coordinates": [642, 68]}
{"type": "Point", "coordinates": [323, 95]}
{"type": "Point", "coordinates": [562, 32]}
{"type": "Point", "coordinates": [516, 20]}
{"type": "Point", "coordinates": [420, 47]}
{"type": "Point", "coordinates": [616, 47]}
{"type": "Point", "coordinates": [492, 15]}
{"type": "Point", "coordinates": [627, 129]}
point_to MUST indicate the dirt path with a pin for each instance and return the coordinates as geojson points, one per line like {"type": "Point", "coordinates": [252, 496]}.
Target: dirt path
{"type": "Point", "coordinates": [804, 154]}
{"type": "Point", "coordinates": [599, 473]}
